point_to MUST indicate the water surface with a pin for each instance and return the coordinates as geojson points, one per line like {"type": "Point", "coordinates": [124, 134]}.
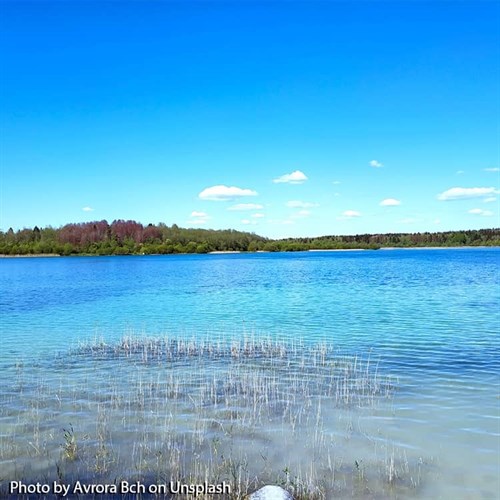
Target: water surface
{"type": "Point", "coordinates": [426, 317]}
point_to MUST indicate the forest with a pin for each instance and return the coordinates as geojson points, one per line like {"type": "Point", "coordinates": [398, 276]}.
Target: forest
{"type": "Point", "coordinates": [127, 237]}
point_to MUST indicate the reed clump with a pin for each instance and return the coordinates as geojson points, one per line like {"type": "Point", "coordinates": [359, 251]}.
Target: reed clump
{"type": "Point", "coordinates": [248, 411]}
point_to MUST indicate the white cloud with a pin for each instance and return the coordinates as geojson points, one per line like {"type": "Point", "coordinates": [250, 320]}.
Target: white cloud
{"type": "Point", "coordinates": [408, 220]}
{"type": "Point", "coordinates": [246, 206]}
{"type": "Point", "coordinates": [351, 213]}
{"type": "Point", "coordinates": [336, 183]}
{"type": "Point", "coordinates": [437, 221]}
{"type": "Point", "coordinates": [225, 193]}
{"type": "Point", "coordinates": [479, 211]}
{"type": "Point", "coordinates": [301, 214]}
{"type": "Point", "coordinates": [87, 209]}
{"type": "Point", "coordinates": [390, 202]}
{"type": "Point", "coordinates": [300, 204]}
{"type": "Point", "coordinates": [490, 199]}
{"type": "Point", "coordinates": [248, 221]}
{"type": "Point", "coordinates": [258, 215]}
{"type": "Point", "coordinates": [296, 177]}
{"type": "Point", "coordinates": [459, 193]}
{"type": "Point", "coordinates": [198, 218]}
{"type": "Point", "coordinates": [492, 169]}
{"type": "Point", "coordinates": [460, 172]}
{"type": "Point", "coordinates": [375, 164]}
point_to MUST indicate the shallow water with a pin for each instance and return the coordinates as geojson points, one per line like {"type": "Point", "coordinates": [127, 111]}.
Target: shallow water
{"type": "Point", "coordinates": [428, 318]}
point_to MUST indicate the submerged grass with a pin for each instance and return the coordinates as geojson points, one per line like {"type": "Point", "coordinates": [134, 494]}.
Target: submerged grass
{"type": "Point", "coordinates": [246, 411]}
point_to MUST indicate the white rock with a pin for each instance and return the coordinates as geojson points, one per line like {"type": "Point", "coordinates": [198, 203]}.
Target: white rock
{"type": "Point", "coordinates": [271, 493]}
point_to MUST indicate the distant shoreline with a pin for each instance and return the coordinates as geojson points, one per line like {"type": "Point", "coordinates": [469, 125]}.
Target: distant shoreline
{"type": "Point", "coordinates": [20, 256]}
{"type": "Point", "coordinates": [394, 248]}
{"type": "Point", "coordinates": [224, 252]}
{"type": "Point", "coordinates": [340, 249]}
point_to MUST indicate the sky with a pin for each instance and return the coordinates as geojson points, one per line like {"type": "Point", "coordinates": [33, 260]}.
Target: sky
{"type": "Point", "coordinates": [282, 118]}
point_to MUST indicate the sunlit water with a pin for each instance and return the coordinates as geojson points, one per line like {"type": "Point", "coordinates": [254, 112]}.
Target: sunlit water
{"type": "Point", "coordinates": [426, 321]}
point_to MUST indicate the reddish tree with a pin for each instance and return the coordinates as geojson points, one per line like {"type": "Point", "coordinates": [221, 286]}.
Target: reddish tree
{"type": "Point", "coordinates": [151, 233]}
{"type": "Point", "coordinates": [123, 230]}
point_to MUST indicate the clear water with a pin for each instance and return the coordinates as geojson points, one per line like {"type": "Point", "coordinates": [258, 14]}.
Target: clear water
{"type": "Point", "coordinates": [429, 318]}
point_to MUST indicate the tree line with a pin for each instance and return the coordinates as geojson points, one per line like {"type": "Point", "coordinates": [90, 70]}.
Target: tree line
{"type": "Point", "coordinates": [133, 238]}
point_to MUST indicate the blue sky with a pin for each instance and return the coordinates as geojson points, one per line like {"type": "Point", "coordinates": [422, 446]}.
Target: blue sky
{"type": "Point", "coordinates": [281, 118]}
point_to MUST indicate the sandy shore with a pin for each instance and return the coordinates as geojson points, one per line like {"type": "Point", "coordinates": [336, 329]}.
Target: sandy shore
{"type": "Point", "coordinates": [338, 249]}
{"type": "Point", "coordinates": [223, 251]}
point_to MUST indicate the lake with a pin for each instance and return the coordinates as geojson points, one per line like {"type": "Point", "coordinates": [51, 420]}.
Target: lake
{"type": "Point", "coordinates": [372, 373]}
